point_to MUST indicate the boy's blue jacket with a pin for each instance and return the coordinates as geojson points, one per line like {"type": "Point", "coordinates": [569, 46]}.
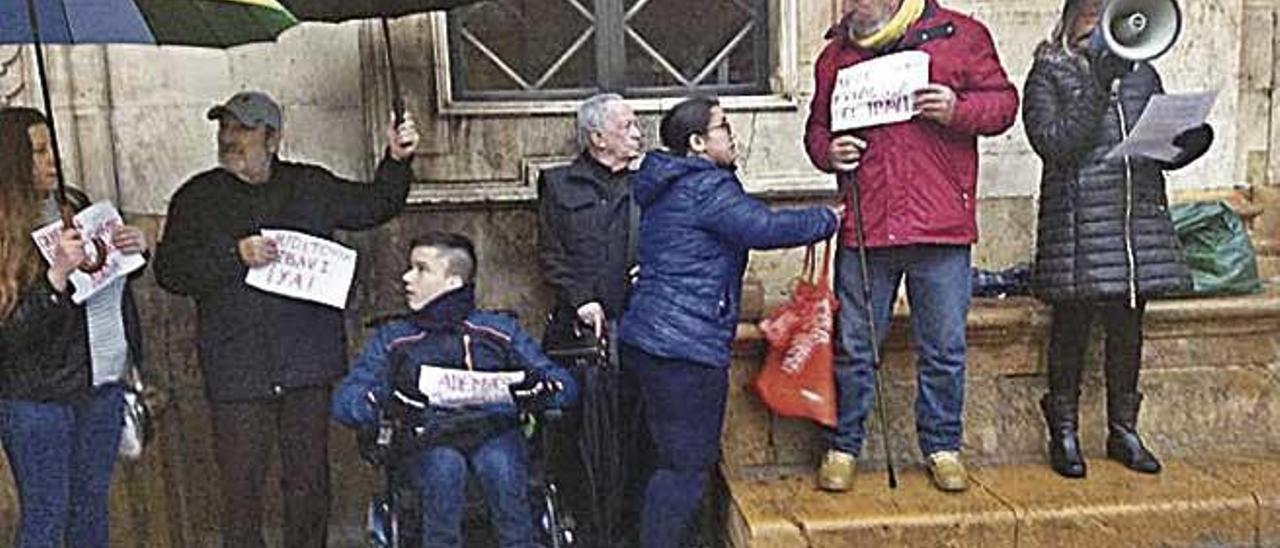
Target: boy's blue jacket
{"type": "Point", "coordinates": [434, 336]}
{"type": "Point", "coordinates": [696, 227]}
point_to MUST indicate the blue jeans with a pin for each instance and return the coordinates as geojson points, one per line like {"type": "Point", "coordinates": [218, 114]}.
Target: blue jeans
{"type": "Point", "coordinates": [938, 286]}
{"type": "Point", "coordinates": [61, 455]}
{"type": "Point", "coordinates": [684, 411]}
{"type": "Point", "coordinates": [500, 464]}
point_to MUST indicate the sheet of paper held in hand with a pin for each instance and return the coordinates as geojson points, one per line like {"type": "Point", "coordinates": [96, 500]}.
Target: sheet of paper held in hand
{"type": "Point", "coordinates": [308, 268]}
{"type": "Point", "coordinates": [452, 388]}
{"type": "Point", "coordinates": [878, 91]}
{"type": "Point", "coordinates": [1164, 118]}
{"type": "Point", "coordinates": [97, 221]}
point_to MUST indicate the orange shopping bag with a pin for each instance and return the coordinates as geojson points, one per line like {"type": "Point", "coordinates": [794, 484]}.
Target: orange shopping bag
{"type": "Point", "coordinates": [798, 379]}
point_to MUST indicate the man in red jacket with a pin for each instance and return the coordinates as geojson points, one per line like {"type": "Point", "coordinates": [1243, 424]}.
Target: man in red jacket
{"type": "Point", "coordinates": [918, 183]}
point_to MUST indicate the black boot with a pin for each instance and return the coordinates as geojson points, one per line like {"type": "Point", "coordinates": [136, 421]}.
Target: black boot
{"type": "Point", "coordinates": [1060, 415]}
{"type": "Point", "coordinates": [1123, 443]}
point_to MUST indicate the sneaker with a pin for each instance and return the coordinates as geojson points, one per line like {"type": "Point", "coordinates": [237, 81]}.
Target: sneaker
{"type": "Point", "coordinates": [836, 472]}
{"type": "Point", "coordinates": [947, 471]}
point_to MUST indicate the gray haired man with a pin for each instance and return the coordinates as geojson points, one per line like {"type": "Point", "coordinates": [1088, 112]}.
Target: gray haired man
{"type": "Point", "coordinates": [584, 209]}
{"type": "Point", "coordinates": [585, 237]}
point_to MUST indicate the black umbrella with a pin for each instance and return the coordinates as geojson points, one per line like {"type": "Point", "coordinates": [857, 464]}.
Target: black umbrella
{"type": "Point", "coordinates": [342, 10]}
{"type": "Point", "coordinates": [334, 11]}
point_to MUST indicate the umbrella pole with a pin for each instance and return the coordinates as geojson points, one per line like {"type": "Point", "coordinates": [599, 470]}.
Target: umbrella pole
{"type": "Point", "coordinates": [48, 110]}
{"type": "Point", "coordinates": [99, 259]}
{"type": "Point", "coordinates": [397, 100]}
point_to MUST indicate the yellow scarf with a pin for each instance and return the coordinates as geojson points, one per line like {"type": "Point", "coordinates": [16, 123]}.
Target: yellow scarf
{"type": "Point", "coordinates": [908, 12]}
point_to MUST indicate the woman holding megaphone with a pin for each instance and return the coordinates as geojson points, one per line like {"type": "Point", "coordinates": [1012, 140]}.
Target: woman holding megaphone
{"type": "Point", "coordinates": [1105, 243]}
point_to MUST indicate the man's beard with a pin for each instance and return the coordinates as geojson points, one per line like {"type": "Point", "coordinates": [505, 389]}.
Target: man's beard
{"type": "Point", "coordinates": [244, 164]}
{"type": "Point", "coordinates": [863, 29]}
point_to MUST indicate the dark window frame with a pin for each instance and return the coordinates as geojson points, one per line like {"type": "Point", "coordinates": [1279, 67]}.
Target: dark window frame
{"type": "Point", "coordinates": [612, 36]}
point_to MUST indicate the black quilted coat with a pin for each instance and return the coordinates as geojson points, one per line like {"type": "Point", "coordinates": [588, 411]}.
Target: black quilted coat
{"type": "Point", "coordinates": [1104, 231]}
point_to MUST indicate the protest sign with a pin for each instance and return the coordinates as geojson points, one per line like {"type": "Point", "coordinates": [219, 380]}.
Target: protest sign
{"type": "Point", "coordinates": [308, 268]}
{"type": "Point", "coordinates": [446, 387]}
{"type": "Point", "coordinates": [878, 91]}
{"type": "Point", "coordinates": [96, 222]}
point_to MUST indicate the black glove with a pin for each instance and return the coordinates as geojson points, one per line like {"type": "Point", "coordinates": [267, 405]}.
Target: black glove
{"type": "Point", "coordinates": [534, 393]}
{"type": "Point", "coordinates": [1194, 143]}
{"type": "Point", "coordinates": [1107, 68]}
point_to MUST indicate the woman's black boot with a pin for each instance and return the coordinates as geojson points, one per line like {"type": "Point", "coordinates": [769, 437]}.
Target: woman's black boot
{"type": "Point", "coordinates": [1060, 415]}
{"type": "Point", "coordinates": [1123, 443]}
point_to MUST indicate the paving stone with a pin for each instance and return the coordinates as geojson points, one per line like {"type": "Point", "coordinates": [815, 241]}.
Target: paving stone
{"type": "Point", "coordinates": [792, 512]}
{"type": "Point", "coordinates": [1115, 507]}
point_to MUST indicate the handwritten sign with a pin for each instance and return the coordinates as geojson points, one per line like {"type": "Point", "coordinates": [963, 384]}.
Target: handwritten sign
{"type": "Point", "coordinates": [308, 268]}
{"type": "Point", "coordinates": [452, 388]}
{"type": "Point", "coordinates": [878, 91]}
{"type": "Point", "coordinates": [96, 222]}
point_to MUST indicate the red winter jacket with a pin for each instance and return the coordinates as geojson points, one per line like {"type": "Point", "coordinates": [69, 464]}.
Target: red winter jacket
{"type": "Point", "coordinates": [919, 178]}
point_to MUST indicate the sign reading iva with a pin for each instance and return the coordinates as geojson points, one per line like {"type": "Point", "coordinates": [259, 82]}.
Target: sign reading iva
{"type": "Point", "coordinates": [309, 268]}
{"type": "Point", "coordinates": [878, 91]}
{"type": "Point", "coordinates": [95, 223]}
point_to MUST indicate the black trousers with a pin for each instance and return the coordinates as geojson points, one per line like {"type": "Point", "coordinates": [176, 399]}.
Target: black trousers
{"type": "Point", "coordinates": [297, 423]}
{"type": "Point", "coordinates": [1069, 338]}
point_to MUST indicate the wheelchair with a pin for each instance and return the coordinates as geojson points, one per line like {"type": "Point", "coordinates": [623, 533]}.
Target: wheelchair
{"type": "Point", "coordinates": [393, 516]}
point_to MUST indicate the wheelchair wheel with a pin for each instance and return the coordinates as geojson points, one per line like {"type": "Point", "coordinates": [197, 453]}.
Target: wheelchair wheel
{"type": "Point", "coordinates": [382, 524]}
{"type": "Point", "coordinates": [555, 529]}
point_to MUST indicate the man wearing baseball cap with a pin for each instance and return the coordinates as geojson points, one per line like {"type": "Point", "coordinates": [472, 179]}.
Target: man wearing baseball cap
{"type": "Point", "coordinates": [269, 361]}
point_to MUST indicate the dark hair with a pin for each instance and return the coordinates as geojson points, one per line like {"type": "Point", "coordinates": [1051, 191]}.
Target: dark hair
{"type": "Point", "coordinates": [19, 263]}
{"type": "Point", "coordinates": [685, 120]}
{"type": "Point", "coordinates": [457, 250]}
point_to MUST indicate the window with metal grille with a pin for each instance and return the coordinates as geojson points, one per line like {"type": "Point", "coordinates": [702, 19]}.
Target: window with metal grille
{"type": "Point", "coordinates": [567, 49]}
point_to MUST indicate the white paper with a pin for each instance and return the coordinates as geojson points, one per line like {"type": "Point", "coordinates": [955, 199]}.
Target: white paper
{"type": "Point", "coordinates": [1164, 118]}
{"type": "Point", "coordinates": [308, 268]}
{"type": "Point", "coordinates": [878, 91]}
{"type": "Point", "coordinates": [96, 223]}
{"type": "Point", "coordinates": [451, 388]}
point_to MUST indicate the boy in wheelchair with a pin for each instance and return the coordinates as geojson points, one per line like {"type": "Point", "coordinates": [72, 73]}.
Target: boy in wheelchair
{"type": "Point", "coordinates": [444, 381]}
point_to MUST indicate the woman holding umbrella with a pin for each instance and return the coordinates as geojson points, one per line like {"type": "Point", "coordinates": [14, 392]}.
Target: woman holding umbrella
{"type": "Point", "coordinates": [61, 400]}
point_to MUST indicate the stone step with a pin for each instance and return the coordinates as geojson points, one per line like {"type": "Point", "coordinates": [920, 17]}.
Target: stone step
{"type": "Point", "coordinates": [1209, 373]}
{"type": "Point", "coordinates": [1204, 502]}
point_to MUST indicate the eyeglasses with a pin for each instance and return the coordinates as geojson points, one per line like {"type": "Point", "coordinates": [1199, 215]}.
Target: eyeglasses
{"type": "Point", "coordinates": [722, 125]}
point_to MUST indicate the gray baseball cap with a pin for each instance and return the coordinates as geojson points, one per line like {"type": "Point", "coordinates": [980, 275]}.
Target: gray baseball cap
{"type": "Point", "coordinates": [251, 108]}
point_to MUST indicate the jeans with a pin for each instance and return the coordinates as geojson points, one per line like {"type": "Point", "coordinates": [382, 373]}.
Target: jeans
{"type": "Point", "coordinates": [243, 433]}
{"type": "Point", "coordinates": [61, 455]}
{"type": "Point", "coordinates": [684, 411]}
{"type": "Point", "coordinates": [439, 473]}
{"type": "Point", "coordinates": [938, 286]}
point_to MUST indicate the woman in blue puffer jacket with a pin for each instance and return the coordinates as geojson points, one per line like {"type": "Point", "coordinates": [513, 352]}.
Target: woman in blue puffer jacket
{"type": "Point", "coordinates": [696, 227]}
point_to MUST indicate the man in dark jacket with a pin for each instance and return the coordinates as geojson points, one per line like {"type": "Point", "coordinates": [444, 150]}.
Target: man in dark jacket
{"type": "Point", "coordinates": [586, 219]}
{"type": "Point", "coordinates": [918, 184]}
{"type": "Point", "coordinates": [269, 361]}
{"type": "Point", "coordinates": [445, 331]}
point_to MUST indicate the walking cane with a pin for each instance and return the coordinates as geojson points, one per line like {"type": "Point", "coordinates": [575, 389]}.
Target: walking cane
{"type": "Point", "coordinates": [850, 186]}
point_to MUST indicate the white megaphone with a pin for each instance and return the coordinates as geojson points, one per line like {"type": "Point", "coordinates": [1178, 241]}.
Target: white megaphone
{"type": "Point", "coordinates": [1139, 30]}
